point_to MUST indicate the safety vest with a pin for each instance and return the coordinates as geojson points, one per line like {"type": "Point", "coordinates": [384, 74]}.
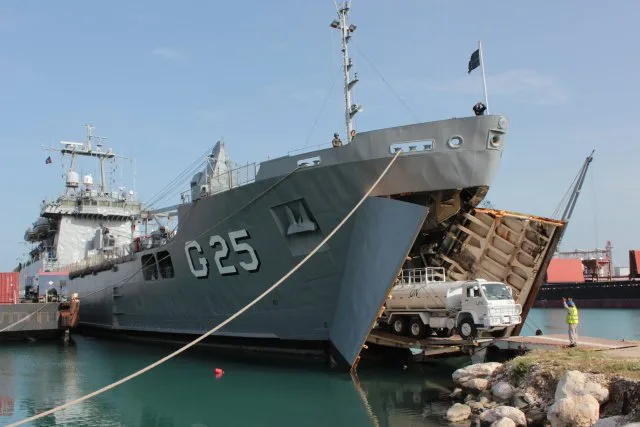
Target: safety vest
{"type": "Point", "coordinates": [572, 315]}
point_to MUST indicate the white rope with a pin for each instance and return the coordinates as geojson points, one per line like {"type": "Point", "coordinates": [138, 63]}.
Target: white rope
{"type": "Point", "coordinates": [221, 325]}
{"type": "Point", "coordinates": [26, 317]}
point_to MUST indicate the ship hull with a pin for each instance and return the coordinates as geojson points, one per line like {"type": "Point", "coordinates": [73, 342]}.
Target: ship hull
{"type": "Point", "coordinates": [327, 307]}
{"type": "Point", "coordinates": [616, 294]}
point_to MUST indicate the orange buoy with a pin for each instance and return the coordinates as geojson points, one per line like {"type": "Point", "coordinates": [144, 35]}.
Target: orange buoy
{"type": "Point", "coordinates": [219, 373]}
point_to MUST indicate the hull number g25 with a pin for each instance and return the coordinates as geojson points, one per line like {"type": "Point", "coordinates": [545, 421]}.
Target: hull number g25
{"type": "Point", "coordinates": [219, 244]}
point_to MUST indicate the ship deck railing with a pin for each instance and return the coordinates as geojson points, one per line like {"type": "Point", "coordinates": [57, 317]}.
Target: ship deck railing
{"type": "Point", "coordinates": [110, 256]}
{"type": "Point", "coordinates": [115, 255]}
{"type": "Point", "coordinates": [236, 177]}
{"type": "Point", "coordinates": [421, 275]}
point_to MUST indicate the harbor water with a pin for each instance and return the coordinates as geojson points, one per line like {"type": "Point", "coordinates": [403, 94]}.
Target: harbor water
{"type": "Point", "coordinates": [37, 376]}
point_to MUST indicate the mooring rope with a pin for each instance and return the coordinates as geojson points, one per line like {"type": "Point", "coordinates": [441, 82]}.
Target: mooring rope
{"type": "Point", "coordinates": [221, 325]}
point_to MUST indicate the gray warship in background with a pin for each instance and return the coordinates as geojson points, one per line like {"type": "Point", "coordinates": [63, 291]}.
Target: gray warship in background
{"type": "Point", "coordinates": [240, 229]}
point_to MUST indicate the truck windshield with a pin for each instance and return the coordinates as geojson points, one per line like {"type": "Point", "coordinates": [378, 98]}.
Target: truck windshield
{"type": "Point", "coordinates": [495, 291]}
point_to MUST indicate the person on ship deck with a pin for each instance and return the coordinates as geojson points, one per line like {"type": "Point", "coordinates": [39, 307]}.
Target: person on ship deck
{"type": "Point", "coordinates": [336, 141]}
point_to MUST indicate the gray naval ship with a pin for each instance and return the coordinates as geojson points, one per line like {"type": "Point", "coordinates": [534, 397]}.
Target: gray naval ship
{"type": "Point", "coordinates": [240, 229]}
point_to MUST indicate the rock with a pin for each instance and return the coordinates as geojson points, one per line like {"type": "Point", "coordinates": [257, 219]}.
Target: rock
{"type": "Point", "coordinates": [519, 402]}
{"type": "Point", "coordinates": [577, 401]}
{"type": "Point", "coordinates": [479, 370]}
{"type": "Point", "coordinates": [575, 383]}
{"type": "Point", "coordinates": [502, 390]}
{"type": "Point", "coordinates": [618, 420]}
{"type": "Point", "coordinates": [458, 412]}
{"type": "Point", "coordinates": [475, 406]}
{"type": "Point", "coordinates": [486, 394]}
{"type": "Point", "coordinates": [578, 410]}
{"type": "Point", "coordinates": [536, 416]}
{"type": "Point", "coordinates": [491, 405]}
{"type": "Point", "coordinates": [495, 414]}
{"type": "Point", "coordinates": [571, 383]}
{"type": "Point", "coordinates": [468, 398]}
{"type": "Point", "coordinates": [529, 399]}
{"type": "Point", "coordinates": [456, 394]}
{"type": "Point", "coordinates": [503, 422]}
{"type": "Point", "coordinates": [476, 384]}
{"type": "Point", "coordinates": [598, 391]}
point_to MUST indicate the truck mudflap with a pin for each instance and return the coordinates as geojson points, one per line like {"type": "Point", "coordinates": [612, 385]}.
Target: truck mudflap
{"type": "Point", "coordinates": [501, 246]}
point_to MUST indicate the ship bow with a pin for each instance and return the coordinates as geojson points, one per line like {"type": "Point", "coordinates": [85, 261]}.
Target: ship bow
{"type": "Point", "coordinates": [383, 234]}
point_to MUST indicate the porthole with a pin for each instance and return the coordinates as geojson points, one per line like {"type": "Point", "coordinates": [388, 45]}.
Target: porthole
{"type": "Point", "coordinates": [455, 142]}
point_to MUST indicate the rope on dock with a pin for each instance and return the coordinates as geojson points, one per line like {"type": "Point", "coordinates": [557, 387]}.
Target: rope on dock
{"type": "Point", "coordinates": [221, 325]}
{"type": "Point", "coordinates": [26, 317]}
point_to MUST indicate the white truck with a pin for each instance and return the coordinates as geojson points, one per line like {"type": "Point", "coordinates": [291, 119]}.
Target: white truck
{"type": "Point", "coordinates": [423, 301]}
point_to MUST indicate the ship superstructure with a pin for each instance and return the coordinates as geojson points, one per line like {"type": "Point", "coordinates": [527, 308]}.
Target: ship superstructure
{"type": "Point", "coordinates": [86, 223]}
{"type": "Point", "coordinates": [240, 229]}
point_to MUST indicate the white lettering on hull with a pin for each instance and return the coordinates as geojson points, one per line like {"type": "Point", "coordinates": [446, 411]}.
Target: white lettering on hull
{"type": "Point", "coordinates": [219, 244]}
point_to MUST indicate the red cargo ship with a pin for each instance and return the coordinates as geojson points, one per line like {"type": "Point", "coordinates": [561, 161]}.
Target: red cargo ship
{"type": "Point", "coordinates": [591, 279]}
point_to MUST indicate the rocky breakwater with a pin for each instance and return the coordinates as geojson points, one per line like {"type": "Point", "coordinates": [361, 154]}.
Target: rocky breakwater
{"type": "Point", "coordinates": [540, 390]}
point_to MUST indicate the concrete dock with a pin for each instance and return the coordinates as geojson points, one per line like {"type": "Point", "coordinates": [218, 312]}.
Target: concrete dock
{"type": "Point", "coordinates": [548, 342]}
{"type": "Point", "coordinates": [25, 321]}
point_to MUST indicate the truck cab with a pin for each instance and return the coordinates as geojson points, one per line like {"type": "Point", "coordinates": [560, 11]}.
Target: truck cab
{"type": "Point", "coordinates": [486, 306]}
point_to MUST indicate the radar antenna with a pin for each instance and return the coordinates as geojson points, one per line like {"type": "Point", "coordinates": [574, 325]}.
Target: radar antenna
{"type": "Point", "coordinates": [86, 149]}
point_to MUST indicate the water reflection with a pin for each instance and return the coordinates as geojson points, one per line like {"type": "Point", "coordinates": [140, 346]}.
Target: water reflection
{"type": "Point", "coordinates": [7, 400]}
{"type": "Point", "coordinates": [184, 391]}
{"type": "Point", "coordinates": [416, 397]}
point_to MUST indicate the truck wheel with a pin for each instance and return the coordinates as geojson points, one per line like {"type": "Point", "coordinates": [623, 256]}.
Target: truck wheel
{"type": "Point", "coordinates": [417, 329]}
{"type": "Point", "coordinates": [467, 329]}
{"type": "Point", "coordinates": [399, 326]}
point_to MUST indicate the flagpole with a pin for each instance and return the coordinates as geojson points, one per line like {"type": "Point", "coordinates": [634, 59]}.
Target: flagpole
{"type": "Point", "coordinates": [484, 80]}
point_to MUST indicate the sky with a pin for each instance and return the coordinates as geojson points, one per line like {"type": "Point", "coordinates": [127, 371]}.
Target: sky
{"type": "Point", "coordinates": [164, 81]}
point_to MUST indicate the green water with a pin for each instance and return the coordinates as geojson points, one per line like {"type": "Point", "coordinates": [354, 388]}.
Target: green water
{"type": "Point", "coordinates": [184, 391]}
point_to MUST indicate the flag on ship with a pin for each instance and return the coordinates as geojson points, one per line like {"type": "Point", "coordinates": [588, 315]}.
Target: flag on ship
{"type": "Point", "coordinates": [474, 61]}
{"type": "Point", "coordinates": [46, 162]}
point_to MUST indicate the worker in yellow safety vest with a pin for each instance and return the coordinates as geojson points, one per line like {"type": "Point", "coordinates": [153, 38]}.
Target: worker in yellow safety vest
{"type": "Point", "coordinates": [572, 321]}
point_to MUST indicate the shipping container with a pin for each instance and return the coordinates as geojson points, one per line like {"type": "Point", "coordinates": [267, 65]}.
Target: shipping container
{"type": "Point", "coordinates": [565, 270]}
{"type": "Point", "coordinates": [9, 287]}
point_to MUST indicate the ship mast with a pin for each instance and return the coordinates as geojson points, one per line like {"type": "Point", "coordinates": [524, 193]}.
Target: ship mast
{"type": "Point", "coordinates": [86, 149]}
{"type": "Point", "coordinates": [345, 31]}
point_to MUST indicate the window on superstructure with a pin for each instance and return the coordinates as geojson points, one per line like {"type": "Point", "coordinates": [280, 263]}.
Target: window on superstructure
{"type": "Point", "coordinates": [165, 264]}
{"type": "Point", "coordinates": [149, 267]}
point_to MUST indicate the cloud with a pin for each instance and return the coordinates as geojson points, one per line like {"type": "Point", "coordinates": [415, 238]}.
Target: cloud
{"type": "Point", "coordinates": [167, 53]}
{"type": "Point", "coordinates": [524, 84]}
